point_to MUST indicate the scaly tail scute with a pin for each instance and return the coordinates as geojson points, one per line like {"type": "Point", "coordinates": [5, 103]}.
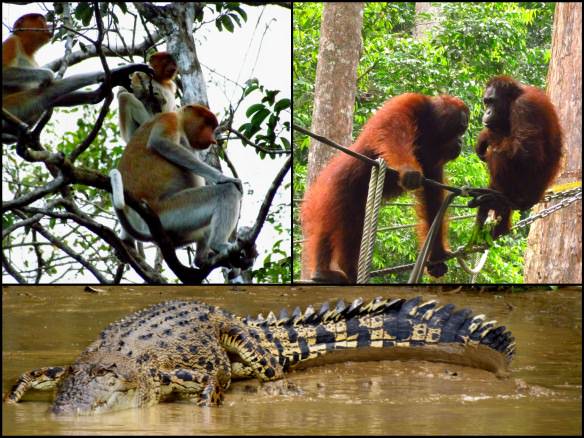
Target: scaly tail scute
{"type": "Point", "coordinates": [385, 329]}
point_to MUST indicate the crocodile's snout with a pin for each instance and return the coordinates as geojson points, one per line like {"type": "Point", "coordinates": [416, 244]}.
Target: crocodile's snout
{"type": "Point", "coordinates": [95, 384]}
{"type": "Point", "coordinates": [70, 402]}
{"type": "Point", "coordinates": [65, 409]}
{"type": "Point", "coordinates": [78, 394]}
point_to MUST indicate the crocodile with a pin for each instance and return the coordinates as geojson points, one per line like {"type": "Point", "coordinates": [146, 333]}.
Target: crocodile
{"type": "Point", "coordinates": [192, 350]}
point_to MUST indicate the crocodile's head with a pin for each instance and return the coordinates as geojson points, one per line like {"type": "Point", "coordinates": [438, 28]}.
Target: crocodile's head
{"type": "Point", "coordinates": [97, 383]}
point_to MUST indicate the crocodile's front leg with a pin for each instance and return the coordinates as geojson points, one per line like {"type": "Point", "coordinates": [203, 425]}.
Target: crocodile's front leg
{"type": "Point", "coordinates": [240, 371]}
{"type": "Point", "coordinates": [205, 388]}
{"type": "Point", "coordinates": [42, 379]}
{"type": "Point", "coordinates": [263, 364]}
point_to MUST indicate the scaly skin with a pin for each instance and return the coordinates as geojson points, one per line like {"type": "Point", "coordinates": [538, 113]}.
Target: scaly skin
{"type": "Point", "coordinates": [188, 349]}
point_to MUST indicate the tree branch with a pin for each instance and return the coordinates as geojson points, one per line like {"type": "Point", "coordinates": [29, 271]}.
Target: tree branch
{"type": "Point", "coordinates": [263, 213]}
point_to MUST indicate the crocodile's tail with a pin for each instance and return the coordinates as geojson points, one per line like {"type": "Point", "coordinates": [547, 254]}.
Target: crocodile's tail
{"type": "Point", "coordinates": [385, 329]}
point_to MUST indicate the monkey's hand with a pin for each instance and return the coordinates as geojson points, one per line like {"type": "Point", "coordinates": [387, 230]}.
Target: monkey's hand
{"type": "Point", "coordinates": [226, 180]}
{"type": "Point", "coordinates": [411, 179]}
{"type": "Point", "coordinates": [47, 80]}
{"type": "Point", "coordinates": [482, 145]}
{"type": "Point", "coordinates": [121, 76]}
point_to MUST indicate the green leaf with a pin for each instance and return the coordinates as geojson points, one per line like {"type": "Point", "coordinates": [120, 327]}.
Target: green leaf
{"type": "Point", "coordinates": [253, 130]}
{"type": "Point", "coordinates": [272, 123]}
{"type": "Point", "coordinates": [227, 23]}
{"type": "Point", "coordinates": [241, 12]}
{"type": "Point", "coordinates": [84, 12]}
{"type": "Point", "coordinates": [199, 15]}
{"type": "Point", "coordinates": [243, 128]}
{"type": "Point", "coordinates": [259, 117]}
{"type": "Point", "coordinates": [282, 104]}
{"type": "Point", "coordinates": [236, 19]}
{"type": "Point", "coordinates": [249, 89]}
{"type": "Point", "coordinates": [254, 108]}
{"type": "Point", "coordinates": [270, 96]}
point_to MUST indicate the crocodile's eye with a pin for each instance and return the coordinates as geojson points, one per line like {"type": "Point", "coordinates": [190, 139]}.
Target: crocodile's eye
{"type": "Point", "coordinates": [104, 371]}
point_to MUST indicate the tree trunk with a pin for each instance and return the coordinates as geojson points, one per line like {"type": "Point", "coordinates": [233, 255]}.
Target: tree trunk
{"type": "Point", "coordinates": [554, 253]}
{"type": "Point", "coordinates": [424, 25]}
{"type": "Point", "coordinates": [336, 82]}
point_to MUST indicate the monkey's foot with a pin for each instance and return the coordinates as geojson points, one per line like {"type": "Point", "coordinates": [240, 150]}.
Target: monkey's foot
{"type": "Point", "coordinates": [331, 277]}
{"type": "Point", "coordinates": [248, 253]}
{"type": "Point", "coordinates": [437, 269]}
{"type": "Point", "coordinates": [207, 257]}
{"type": "Point", "coordinates": [238, 255]}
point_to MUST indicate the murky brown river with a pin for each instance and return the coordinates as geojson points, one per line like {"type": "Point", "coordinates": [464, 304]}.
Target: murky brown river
{"type": "Point", "coordinates": [45, 326]}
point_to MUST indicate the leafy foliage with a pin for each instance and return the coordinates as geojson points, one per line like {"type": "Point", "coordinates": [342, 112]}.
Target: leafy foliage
{"type": "Point", "coordinates": [265, 128]}
{"type": "Point", "coordinates": [469, 43]}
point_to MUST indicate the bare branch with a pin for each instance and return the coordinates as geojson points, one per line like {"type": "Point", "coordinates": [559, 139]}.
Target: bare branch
{"type": "Point", "coordinates": [263, 213]}
{"type": "Point", "coordinates": [118, 52]}
{"type": "Point", "coordinates": [11, 270]}
{"type": "Point", "coordinates": [60, 243]}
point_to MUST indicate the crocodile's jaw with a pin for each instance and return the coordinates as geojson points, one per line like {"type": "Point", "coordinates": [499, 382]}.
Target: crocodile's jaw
{"type": "Point", "coordinates": [94, 385]}
{"type": "Point", "coordinates": [100, 402]}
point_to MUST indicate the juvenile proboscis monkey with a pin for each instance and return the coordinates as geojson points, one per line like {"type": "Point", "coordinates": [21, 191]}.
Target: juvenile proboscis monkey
{"type": "Point", "coordinates": [28, 90]}
{"type": "Point", "coordinates": [160, 165]}
{"type": "Point", "coordinates": [150, 95]}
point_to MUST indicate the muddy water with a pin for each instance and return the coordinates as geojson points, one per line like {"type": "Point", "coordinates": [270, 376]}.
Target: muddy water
{"type": "Point", "coordinates": [51, 325]}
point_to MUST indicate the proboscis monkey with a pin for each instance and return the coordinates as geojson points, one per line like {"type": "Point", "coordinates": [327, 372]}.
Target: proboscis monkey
{"type": "Point", "coordinates": [28, 90]}
{"type": "Point", "coordinates": [160, 165]}
{"type": "Point", "coordinates": [150, 95]}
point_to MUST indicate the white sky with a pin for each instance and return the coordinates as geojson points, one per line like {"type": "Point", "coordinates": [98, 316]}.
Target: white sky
{"type": "Point", "coordinates": [238, 56]}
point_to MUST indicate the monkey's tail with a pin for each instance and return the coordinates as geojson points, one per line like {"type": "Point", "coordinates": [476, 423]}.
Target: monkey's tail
{"type": "Point", "coordinates": [124, 212]}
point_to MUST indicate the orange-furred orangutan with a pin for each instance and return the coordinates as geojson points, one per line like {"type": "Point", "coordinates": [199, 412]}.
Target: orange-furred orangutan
{"type": "Point", "coordinates": [521, 144]}
{"type": "Point", "coordinates": [415, 135]}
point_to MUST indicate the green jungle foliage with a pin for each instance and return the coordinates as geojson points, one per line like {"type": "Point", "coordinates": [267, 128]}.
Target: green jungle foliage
{"type": "Point", "coordinates": [472, 43]}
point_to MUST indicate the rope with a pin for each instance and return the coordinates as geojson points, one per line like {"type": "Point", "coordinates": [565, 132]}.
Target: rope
{"type": "Point", "coordinates": [416, 273]}
{"type": "Point", "coordinates": [331, 143]}
{"type": "Point", "coordinates": [374, 196]}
